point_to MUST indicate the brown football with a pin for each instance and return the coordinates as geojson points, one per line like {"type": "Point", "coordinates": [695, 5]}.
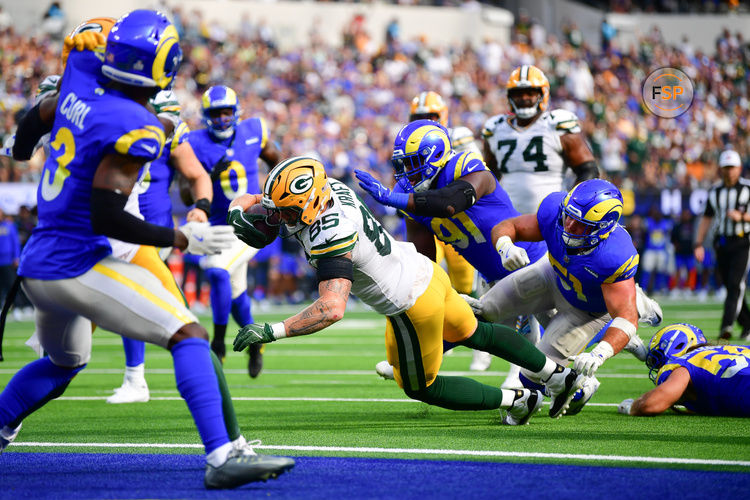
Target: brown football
{"type": "Point", "coordinates": [271, 232]}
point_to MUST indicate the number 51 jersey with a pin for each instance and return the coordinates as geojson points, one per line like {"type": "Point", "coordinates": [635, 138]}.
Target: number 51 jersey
{"type": "Point", "coordinates": [389, 275]}
{"type": "Point", "coordinates": [90, 122]}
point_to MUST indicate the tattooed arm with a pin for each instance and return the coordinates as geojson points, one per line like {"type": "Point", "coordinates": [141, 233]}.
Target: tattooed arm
{"type": "Point", "coordinates": [328, 309]}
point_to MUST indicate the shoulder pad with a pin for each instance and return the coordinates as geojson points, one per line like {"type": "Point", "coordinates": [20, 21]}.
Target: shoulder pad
{"type": "Point", "coordinates": [564, 121]}
{"type": "Point", "coordinates": [489, 125]}
{"type": "Point", "coordinates": [48, 85]}
{"type": "Point", "coordinates": [166, 102]}
{"type": "Point", "coordinates": [465, 163]}
{"type": "Point", "coordinates": [338, 238]}
{"type": "Point", "coordinates": [462, 139]}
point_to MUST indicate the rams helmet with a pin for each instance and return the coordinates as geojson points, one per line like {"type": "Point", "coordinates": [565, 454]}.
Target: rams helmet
{"type": "Point", "coordinates": [597, 205]}
{"type": "Point", "coordinates": [220, 97]}
{"type": "Point", "coordinates": [420, 151]}
{"type": "Point", "coordinates": [528, 77]}
{"type": "Point", "coordinates": [672, 340]}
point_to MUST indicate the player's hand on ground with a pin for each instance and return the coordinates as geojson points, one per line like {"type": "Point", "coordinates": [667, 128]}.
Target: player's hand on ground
{"type": "Point", "coordinates": [381, 193]}
{"type": "Point", "coordinates": [204, 239]}
{"type": "Point", "coordinates": [624, 407]}
{"type": "Point", "coordinates": [512, 256]}
{"type": "Point", "coordinates": [587, 363]}
{"type": "Point", "coordinates": [253, 334]}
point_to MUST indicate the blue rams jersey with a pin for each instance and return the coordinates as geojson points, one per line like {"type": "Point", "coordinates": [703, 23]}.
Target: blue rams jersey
{"type": "Point", "coordinates": [63, 244]}
{"type": "Point", "coordinates": [154, 202]}
{"type": "Point", "coordinates": [580, 276]}
{"type": "Point", "coordinates": [720, 379]}
{"type": "Point", "coordinates": [241, 152]}
{"type": "Point", "coordinates": [469, 232]}
{"type": "Point", "coordinates": [658, 233]}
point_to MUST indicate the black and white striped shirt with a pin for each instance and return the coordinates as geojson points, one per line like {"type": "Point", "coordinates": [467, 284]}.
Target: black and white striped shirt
{"type": "Point", "coordinates": [722, 199]}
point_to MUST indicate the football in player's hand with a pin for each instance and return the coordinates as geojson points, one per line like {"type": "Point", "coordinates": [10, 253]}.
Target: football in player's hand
{"type": "Point", "coordinates": [270, 232]}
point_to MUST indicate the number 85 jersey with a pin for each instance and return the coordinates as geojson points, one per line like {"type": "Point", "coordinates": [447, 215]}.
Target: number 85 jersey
{"type": "Point", "coordinates": [530, 158]}
{"type": "Point", "coordinates": [389, 275]}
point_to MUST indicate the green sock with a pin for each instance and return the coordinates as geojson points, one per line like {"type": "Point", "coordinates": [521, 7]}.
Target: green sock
{"type": "Point", "coordinates": [504, 342]}
{"type": "Point", "coordinates": [230, 417]}
{"type": "Point", "coordinates": [459, 393]}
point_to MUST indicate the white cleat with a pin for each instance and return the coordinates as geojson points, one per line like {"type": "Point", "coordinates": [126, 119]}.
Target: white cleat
{"type": "Point", "coordinates": [584, 394]}
{"type": "Point", "coordinates": [523, 407]}
{"type": "Point", "coordinates": [512, 380]}
{"type": "Point", "coordinates": [241, 446]}
{"type": "Point", "coordinates": [7, 435]}
{"type": "Point", "coordinates": [480, 361]}
{"type": "Point", "coordinates": [385, 370]}
{"type": "Point", "coordinates": [649, 311]}
{"type": "Point", "coordinates": [131, 391]}
{"type": "Point", "coordinates": [637, 348]}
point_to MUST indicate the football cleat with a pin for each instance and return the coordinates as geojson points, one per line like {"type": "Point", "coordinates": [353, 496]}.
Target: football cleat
{"type": "Point", "coordinates": [583, 395]}
{"type": "Point", "coordinates": [523, 407]}
{"type": "Point", "coordinates": [243, 447]}
{"type": "Point", "coordinates": [241, 468]}
{"type": "Point", "coordinates": [385, 370]}
{"type": "Point", "coordinates": [8, 435]}
{"type": "Point", "coordinates": [131, 391]}
{"type": "Point", "coordinates": [649, 311]}
{"type": "Point", "coordinates": [480, 361]}
{"type": "Point", "coordinates": [636, 347]}
{"type": "Point", "coordinates": [255, 360]}
{"type": "Point", "coordinates": [562, 386]}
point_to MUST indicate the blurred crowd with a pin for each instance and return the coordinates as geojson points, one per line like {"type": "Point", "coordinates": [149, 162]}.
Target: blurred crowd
{"type": "Point", "coordinates": [345, 103]}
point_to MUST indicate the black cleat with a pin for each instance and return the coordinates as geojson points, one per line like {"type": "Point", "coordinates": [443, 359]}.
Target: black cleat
{"type": "Point", "coordinates": [241, 469]}
{"type": "Point", "coordinates": [255, 361]}
{"type": "Point", "coordinates": [562, 386]}
{"type": "Point", "coordinates": [524, 407]}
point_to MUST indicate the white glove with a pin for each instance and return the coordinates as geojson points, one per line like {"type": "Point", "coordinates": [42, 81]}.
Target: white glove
{"type": "Point", "coordinates": [475, 304]}
{"type": "Point", "coordinates": [204, 239]}
{"type": "Point", "coordinates": [513, 257]}
{"type": "Point", "coordinates": [624, 407]}
{"type": "Point", "coordinates": [588, 362]}
{"type": "Point", "coordinates": [7, 149]}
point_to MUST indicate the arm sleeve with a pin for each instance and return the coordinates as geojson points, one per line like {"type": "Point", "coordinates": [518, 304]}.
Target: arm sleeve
{"type": "Point", "coordinates": [446, 201]}
{"type": "Point", "coordinates": [30, 130]}
{"type": "Point", "coordinates": [108, 217]}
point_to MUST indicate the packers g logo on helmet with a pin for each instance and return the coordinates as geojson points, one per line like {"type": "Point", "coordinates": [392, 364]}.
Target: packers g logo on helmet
{"type": "Point", "coordinates": [528, 77]}
{"type": "Point", "coordinates": [672, 340]}
{"type": "Point", "coordinates": [101, 25]}
{"type": "Point", "coordinates": [299, 184]}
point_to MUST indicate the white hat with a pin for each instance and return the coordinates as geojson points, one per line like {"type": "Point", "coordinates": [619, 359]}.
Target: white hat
{"type": "Point", "coordinates": [730, 158]}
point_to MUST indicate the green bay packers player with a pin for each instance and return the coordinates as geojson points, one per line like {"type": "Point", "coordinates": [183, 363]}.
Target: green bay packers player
{"type": "Point", "coordinates": [529, 149]}
{"type": "Point", "coordinates": [352, 253]}
{"type": "Point", "coordinates": [429, 105]}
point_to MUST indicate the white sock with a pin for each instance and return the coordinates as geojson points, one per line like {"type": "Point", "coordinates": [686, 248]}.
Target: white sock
{"type": "Point", "coordinates": [509, 395]}
{"type": "Point", "coordinates": [217, 457]}
{"type": "Point", "coordinates": [135, 372]}
{"type": "Point", "coordinates": [549, 369]}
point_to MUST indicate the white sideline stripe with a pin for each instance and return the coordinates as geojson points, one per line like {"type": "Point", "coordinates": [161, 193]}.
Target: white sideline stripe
{"type": "Point", "coordinates": [416, 451]}
{"type": "Point", "coordinates": [293, 399]}
{"type": "Point", "coordinates": [234, 371]}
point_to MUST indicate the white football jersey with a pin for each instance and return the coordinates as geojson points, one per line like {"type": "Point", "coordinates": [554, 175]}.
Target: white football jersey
{"type": "Point", "coordinates": [389, 275]}
{"type": "Point", "coordinates": [530, 159]}
{"type": "Point", "coordinates": [462, 139]}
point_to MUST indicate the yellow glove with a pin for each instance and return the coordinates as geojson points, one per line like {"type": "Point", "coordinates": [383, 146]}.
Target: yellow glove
{"type": "Point", "coordinates": [88, 40]}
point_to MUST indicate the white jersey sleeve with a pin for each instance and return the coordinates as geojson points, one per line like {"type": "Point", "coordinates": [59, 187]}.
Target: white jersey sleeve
{"type": "Point", "coordinates": [565, 122]}
{"type": "Point", "coordinates": [462, 139]}
{"type": "Point", "coordinates": [389, 275]}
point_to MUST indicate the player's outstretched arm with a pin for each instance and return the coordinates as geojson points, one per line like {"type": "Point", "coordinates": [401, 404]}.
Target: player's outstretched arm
{"type": "Point", "coordinates": [663, 396]}
{"type": "Point", "coordinates": [184, 160]}
{"type": "Point", "coordinates": [520, 228]}
{"type": "Point", "coordinates": [578, 156]}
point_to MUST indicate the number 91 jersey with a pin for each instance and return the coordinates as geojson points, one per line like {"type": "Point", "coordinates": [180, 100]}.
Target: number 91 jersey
{"type": "Point", "coordinates": [530, 159]}
{"type": "Point", "coordinates": [389, 275]}
{"type": "Point", "coordinates": [720, 379]}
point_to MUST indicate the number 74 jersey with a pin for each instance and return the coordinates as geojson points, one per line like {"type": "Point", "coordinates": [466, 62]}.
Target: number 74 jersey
{"type": "Point", "coordinates": [389, 275]}
{"type": "Point", "coordinates": [530, 159]}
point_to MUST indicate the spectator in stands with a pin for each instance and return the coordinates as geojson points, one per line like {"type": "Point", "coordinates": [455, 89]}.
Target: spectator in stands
{"type": "Point", "coordinates": [10, 250]}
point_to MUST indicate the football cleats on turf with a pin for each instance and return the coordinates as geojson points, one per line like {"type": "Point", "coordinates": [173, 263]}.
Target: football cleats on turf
{"type": "Point", "coordinates": [215, 99]}
{"type": "Point", "coordinates": [597, 205]}
{"type": "Point", "coordinates": [420, 151]}
{"type": "Point", "coordinates": [429, 106]}
{"type": "Point", "coordinates": [298, 189]}
{"type": "Point", "coordinates": [143, 50]}
{"type": "Point", "coordinates": [672, 340]}
{"type": "Point", "coordinates": [528, 77]}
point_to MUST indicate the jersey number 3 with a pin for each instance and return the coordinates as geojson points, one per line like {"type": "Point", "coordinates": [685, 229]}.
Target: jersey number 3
{"type": "Point", "coordinates": [51, 188]}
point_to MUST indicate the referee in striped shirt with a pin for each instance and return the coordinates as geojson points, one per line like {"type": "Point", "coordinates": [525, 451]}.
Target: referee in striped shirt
{"type": "Point", "coordinates": [729, 203]}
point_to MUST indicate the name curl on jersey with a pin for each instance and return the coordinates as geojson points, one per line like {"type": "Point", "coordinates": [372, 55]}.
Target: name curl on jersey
{"type": "Point", "coordinates": [74, 110]}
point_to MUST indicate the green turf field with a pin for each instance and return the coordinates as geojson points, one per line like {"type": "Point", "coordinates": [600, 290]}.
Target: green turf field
{"type": "Point", "coordinates": [319, 395]}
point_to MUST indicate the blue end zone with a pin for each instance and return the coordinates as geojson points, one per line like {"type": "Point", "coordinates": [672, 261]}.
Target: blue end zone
{"type": "Point", "coordinates": [84, 475]}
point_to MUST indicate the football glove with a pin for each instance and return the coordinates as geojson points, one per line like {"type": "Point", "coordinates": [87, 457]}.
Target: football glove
{"type": "Point", "coordinates": [7, 149]}
{"type": "Point", "coordinates": [242, 224]}
{"type": "Point", "coordinates": [512, 256]}
{"type": "Point", "coordinates": [588, 362]}
{"type": "Point", "coordinates": [253, 334]}
{"type": "Point", "coordinates": [204, 239]}
{"type": "Point", "coordinates": [624, 407]}
{"type": "Point", "coordinates": [88, 40]}
{"type": "Point", "coordinates": [381, 193]}
{"type": "Point", "coordinates": [475, 304]}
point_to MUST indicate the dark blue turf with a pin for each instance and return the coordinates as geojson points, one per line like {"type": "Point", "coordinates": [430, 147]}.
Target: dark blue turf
{"type": "Point", "coordinates": [83, 475]}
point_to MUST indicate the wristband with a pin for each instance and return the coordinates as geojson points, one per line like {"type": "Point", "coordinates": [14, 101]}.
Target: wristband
{"type": "Point", "coordinates": [624, 325]}
{"type": "Point", "coordinates": [279, 330]}
{"type": "Point", "coordinates": [603, 350]}
{"type": "Point", "coordinates": [501, 242]}
{"type": "Point", "coordinates": [205, 205]}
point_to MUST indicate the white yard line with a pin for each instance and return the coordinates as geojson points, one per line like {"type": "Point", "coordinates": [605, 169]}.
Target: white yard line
{"type": "Point", "coordinates": [416, 451]}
